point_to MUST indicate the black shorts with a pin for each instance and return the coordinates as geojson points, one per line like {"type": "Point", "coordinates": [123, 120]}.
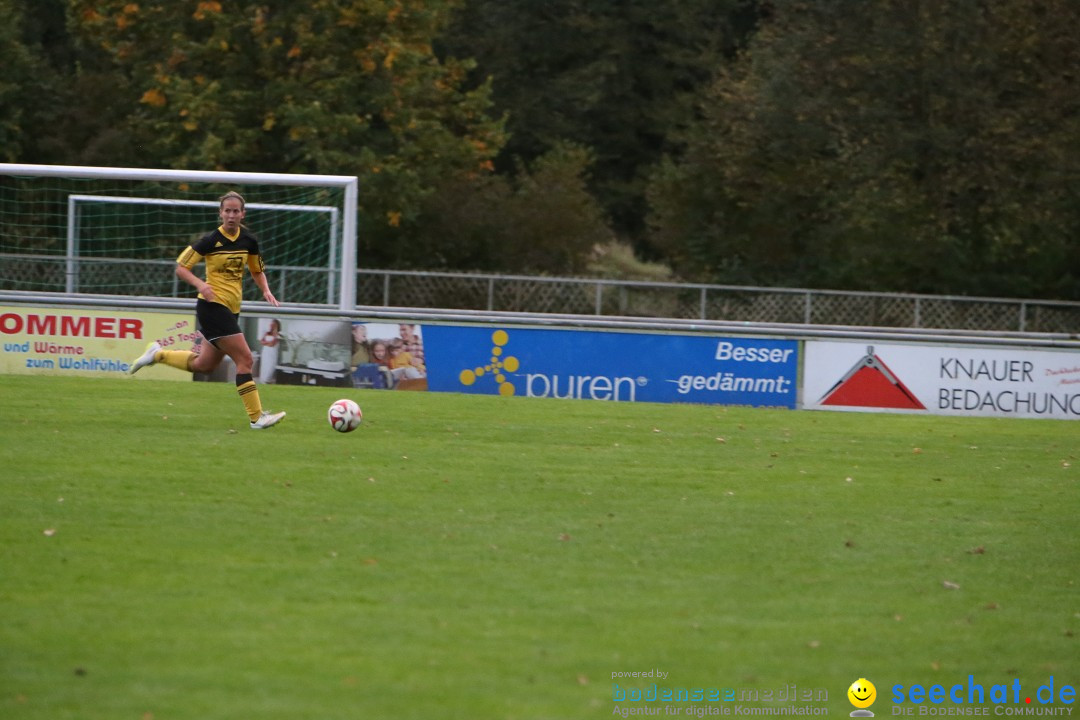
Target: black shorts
{"type": "Point", "coordinates": [215, 321]}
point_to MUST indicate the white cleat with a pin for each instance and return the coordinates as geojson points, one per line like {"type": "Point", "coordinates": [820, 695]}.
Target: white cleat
{"type": "Point", "coordinates": [267, 419]}
{"type": "Point", "coordinates": [147, 358]}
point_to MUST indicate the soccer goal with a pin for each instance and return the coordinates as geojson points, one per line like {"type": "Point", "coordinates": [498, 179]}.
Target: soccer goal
{"type": "Point", "coordinates": [117, 231]}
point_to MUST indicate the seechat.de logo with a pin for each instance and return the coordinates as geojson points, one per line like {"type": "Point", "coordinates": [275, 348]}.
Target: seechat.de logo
{"type": "Point", "coordinates": [862, 695]}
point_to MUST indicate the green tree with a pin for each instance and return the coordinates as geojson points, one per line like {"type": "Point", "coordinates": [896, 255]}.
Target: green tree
{"type": "Point", "coordinates": [540, 220]}
{"type": "Point", "coordinates": [23, 69]}
{"type": "Point", "coordinates": [64, 94]}
{"type": "Point", "coordinates": [17, 64]}
{"type": "Point", "coordinates": [327, 86]}
{"type": "Point", "coordinates": [614, 76]}
{"type": "Point", "coordinates": [886, 145]}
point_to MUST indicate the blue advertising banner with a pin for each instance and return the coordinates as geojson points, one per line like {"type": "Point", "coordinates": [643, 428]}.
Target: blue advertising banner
{"type": "Point", "coordinates": [627, 367]}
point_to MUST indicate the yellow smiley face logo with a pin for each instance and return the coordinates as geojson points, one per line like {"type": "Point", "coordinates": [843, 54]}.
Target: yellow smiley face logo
{"type": "Point", "coordinates": [862, 693]}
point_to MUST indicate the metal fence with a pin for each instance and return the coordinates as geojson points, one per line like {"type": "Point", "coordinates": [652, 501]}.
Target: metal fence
{"type": "Point", "coordinates": [573, 296]}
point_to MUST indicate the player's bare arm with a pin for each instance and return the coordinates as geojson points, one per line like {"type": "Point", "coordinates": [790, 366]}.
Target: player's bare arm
{"type": "Point", "coordinates": [196, 282]}
{"type": "Point", "coordinates": [264, 286]}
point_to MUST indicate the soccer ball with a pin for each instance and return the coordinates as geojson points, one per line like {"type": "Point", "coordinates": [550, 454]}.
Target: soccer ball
{"type": "Point", "coordinates": [344, 415]}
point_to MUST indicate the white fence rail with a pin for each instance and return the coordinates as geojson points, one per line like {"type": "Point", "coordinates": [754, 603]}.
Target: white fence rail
{"type": "Point", "coordinates": [577, 296]}
{"type": "Point", "coordinates": [506, 318]}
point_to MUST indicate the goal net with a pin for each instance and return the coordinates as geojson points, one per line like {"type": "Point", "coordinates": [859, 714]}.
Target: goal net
{"type": "Point", "coordinates": [118, 231]}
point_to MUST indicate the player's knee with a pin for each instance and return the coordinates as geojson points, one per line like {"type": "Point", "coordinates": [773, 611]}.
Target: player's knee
{"type": "Point", "coordinates": [202, 364]}
{"type": "Point", "coordinates": [244, 362]}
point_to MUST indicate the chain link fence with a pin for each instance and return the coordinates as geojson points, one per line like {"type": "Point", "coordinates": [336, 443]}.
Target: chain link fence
{"type": "Point", "coordinates": [572, 296]}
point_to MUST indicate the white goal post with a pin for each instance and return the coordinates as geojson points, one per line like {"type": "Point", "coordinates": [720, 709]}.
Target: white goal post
{"type": "Point", "coordinates": [342, 220]}
{"type": "Point", "coordinates": [74, 201]}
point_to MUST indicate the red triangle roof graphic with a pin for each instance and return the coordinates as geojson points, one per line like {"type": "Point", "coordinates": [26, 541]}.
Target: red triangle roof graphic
{"type": "Point", "coordinates": [870, 383]}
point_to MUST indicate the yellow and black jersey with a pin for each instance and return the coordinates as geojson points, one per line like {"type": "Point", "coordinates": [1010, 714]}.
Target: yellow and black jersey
{"type": "Point", "coordinates": [225, 259]}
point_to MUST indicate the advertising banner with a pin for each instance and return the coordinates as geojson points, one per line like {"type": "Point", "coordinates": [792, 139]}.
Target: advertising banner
{"type": "Point", "coordinates": [942, 380]}
{"type": "Point", "coordinates": [388, 356]}
{"type": "Point", "coordinates": [89, 343]}
{"type": "Point", "coordinates": [625, 367]}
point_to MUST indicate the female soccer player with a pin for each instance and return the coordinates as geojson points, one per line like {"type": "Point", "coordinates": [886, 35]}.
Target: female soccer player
{"type": "Point", "coordinates": [226, 251]}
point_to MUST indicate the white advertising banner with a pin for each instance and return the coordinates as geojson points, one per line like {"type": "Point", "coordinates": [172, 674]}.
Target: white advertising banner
{"type": "Point", "coordinates": [941, 379]}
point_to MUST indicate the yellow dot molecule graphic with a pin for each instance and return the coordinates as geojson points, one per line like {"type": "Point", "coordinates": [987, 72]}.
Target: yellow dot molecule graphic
{"type": "Point", "coordinates": [499, 366]}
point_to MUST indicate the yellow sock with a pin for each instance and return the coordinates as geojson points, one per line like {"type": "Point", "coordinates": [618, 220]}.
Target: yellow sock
{"type": "Point", "coordinates": [179, 359]}
{"type": "Point", "coordinates": [245, 387]}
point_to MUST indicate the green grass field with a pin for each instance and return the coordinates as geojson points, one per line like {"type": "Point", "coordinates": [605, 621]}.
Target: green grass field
{"type": "Point", "coordinates": [487, 557]}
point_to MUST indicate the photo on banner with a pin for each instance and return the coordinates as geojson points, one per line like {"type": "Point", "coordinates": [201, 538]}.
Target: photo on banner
{"type": "Point", "coordinates": [388, 356]}
{"type": "Point", "coordinates": [307, 352]}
